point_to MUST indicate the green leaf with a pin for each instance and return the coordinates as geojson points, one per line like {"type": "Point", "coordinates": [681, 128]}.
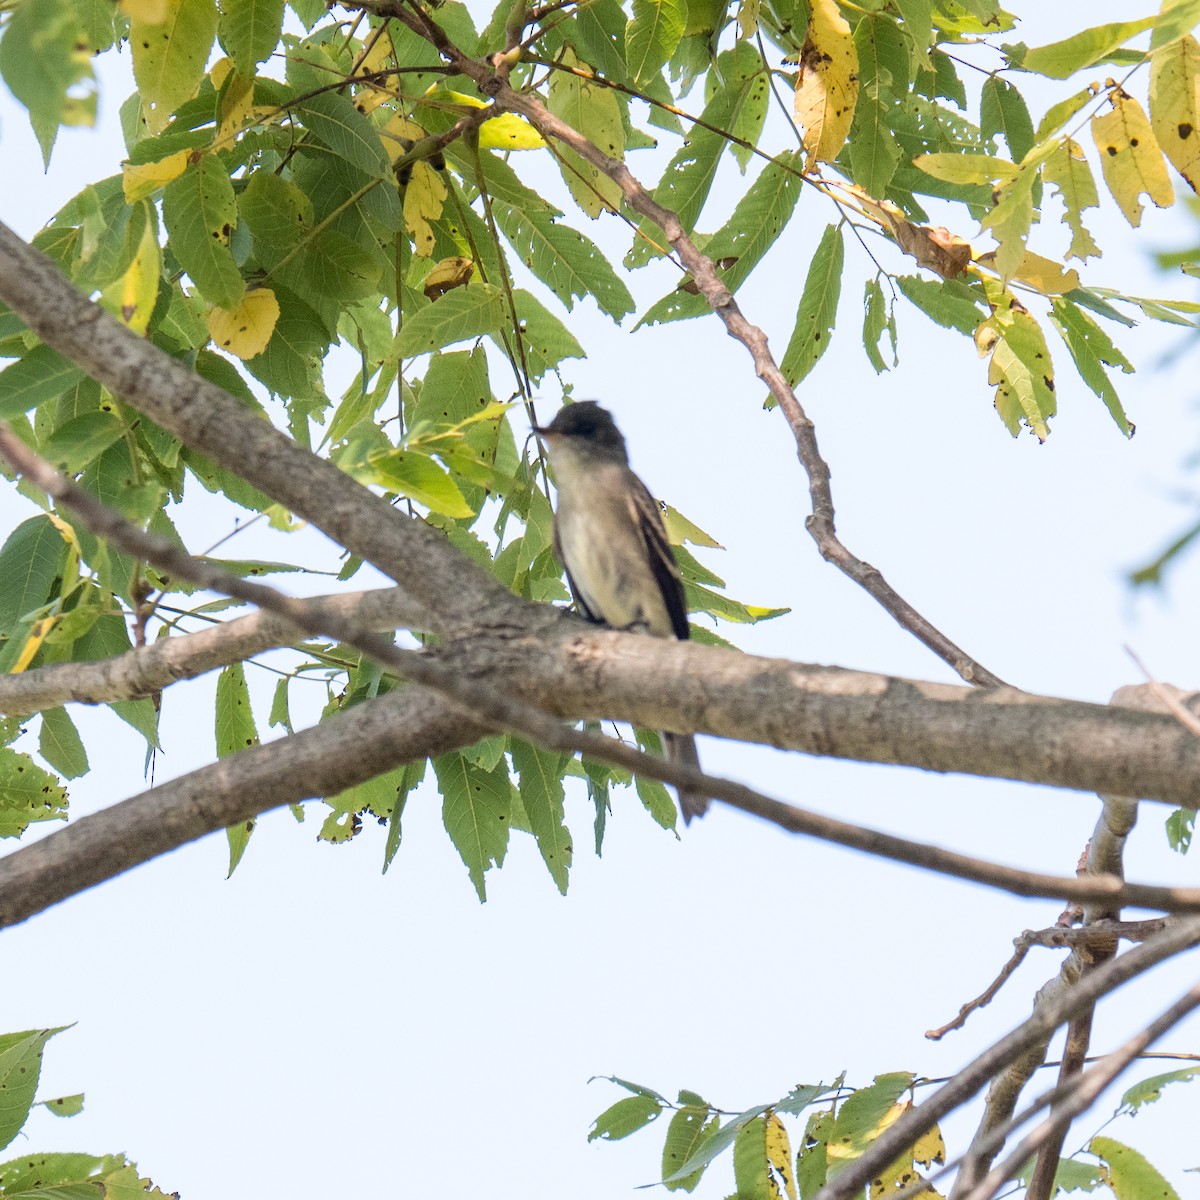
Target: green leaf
{"type": "Point", "coordinates": [1092, 349]}
{"type": "Point", "coordinates": [65, 1106]}
{"type": "Point", "coordinates": [717, 1143]}
{"type": "Point", "coordinates": [291, 363]}
{"type": "Point", "coordinates": [878, 318]}
{"type": "Point", "coordinates": [750, 1161]}
{"type": "Point", "coordinates": [1067, 171]}
{"type": "Point", "coordinates": [235, 730]}
{"type": "Point", "coordinates": [540, 773]}
{"type": "Point", "coordinates": [169, 57]}
{"type": "Point", "coordinates": [883, 53]}
{"type": "Point", "coordinates": [545, 339]}
{"type": "Point", "coordinates": [27, 794]}
{"type": "Point", "coordinates": [31, 559]}
{"type": "Point", "coordinates": [41, 375]}
{"type": "Point", "coordinates": [1022, 372]}
{"type": "Point", "coordinates": [249, 31]}
{"type": "Point", "coordinates": [463, 313]}
{"type": "Point", "coordinates": [818, 307]}
{"type": "Point", "coordinates": [689, 1130]}
{"type": "Point", "coordinates": [20, 1069]}
{"type": "Point", "coordinates": [1150, 1090]}
{"type": "Point", "coordinates": [567, 262]}
{"type": "Point", "coordinates": [918, 23]}
{"type": "Point", "coordinates": [60, 745]}
{"type": "Point", "coordinates": [336, 123]}
{"type": "Point", "coordinates": [874, 152]}
{"type": "Point", "coordinates": [1062, 59]}
{"type": "Point", "coordinates": [1057, 115]}
{"type": "Point", "coordinates": [751, 231]}
{"type": "Point", "coordinates": [476, 805]}
{"type": "Point", "coordinates": [625, 1117]}
{"type": "Point", "coordinates": [276, 212]}
{"type": "Point", "coordinates": [108, 637]}
{"type": "Point", "coordinates": [966, 168]}
{"type": "Point", "coordinates": [1002, 110]}
{"type": "Point", "coordinates": [592, 110]}
{"type": "Point", "coordinates": [1176, 20]}
{"type": "Point", "coordinates": [864, 1115]}
{"type": "Point", "coordinates": [652, 35]}
{"type": "Point", "coordinates": [942, 302]}
{"type": "Point", "coordinates": [1181, 824]}
{"type": "Point", "coordinates": [200, 213]}
{"type": "Point", "coordinates": [48, 69]}
{"type": "Point", "coordinates": [81, 440]}
{"type": "Point", "coordinates": [416, 475]}
{"type": "Point", "coordinates": [1130, 1175]}
{"type": "Point", "coordinates": [334, 265]}
{"type": "Point", "coordinates": [414, 772]}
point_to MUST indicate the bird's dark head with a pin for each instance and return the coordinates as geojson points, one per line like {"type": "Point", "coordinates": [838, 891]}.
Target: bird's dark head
{"type": "Point", "coordinates": [586, 428]}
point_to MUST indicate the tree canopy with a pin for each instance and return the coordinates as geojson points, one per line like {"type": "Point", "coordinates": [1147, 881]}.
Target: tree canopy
{"type": "Point", "coordinates": [404, 186]}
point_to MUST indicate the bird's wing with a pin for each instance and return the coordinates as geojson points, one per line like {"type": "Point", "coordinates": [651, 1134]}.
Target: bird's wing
{"type": "Point", "coordinates": [648, 520]}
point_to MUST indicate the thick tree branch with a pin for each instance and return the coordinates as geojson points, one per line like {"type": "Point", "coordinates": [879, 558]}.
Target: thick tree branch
{"type": "Point", "coordinates": [492, 81]}
{"type": "Point", "coordinates": [446, 586]}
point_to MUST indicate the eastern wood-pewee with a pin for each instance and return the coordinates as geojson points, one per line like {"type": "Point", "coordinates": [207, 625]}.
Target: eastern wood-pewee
{"type": "Point", "coordinates": [610, 537]}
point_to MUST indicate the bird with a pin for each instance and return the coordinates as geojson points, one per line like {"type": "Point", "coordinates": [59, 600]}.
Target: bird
{"type": "Point", "coordinates": [610, 537]}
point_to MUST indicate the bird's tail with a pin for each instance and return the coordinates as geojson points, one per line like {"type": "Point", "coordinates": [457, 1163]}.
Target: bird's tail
{"type": "Point", "coordinates": [681, 748]}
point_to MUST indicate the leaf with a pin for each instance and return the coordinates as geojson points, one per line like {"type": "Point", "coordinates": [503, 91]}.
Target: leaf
{"type": "Point", "coordinates": [1020, 368]}
{"type": "Point", "coordinates": [169, 57]}
{"type": "Point", "coordinates": [424, 198]}
{"type": "Point", "coordinates": [245, 329]}
{"type": "Point", "coordinates": [20, 1069]}
{"type": "Point", "coordinates": [132, 298]}
{"type": "Point", "coordinates": [540, 773]}
{"type": "Point", "coordinates": [41, 375]}
{"type": "Point", "coordinates": [461, 314]}
{"type": "Point", "coordinates": [108, 637]}
{"type": "Point", "coordinates": [593, 111]}
{"type": "Point", "coordinates": [1150, 1090]}
{"type": "Point", "coordinates": [417, 476]}
{"type": "Point", "coordinates": [1176, 19]}
{"type": "Point", "coordinates": [249, 31]}
{"type": "Point", "coordinates": [966, 168]}
{"type": "Point", "coordinates": [31, 559]}
{"type": "Point", "coordinates": [475, 810]}
{"type": "Point", "coordinates": [1092, 349]}
{"type": "Point", "coordinates": [818, 307]}
{"type": "Point", "coordinates": [65, 1106]}
{"type": "Point", "coordinates": [27, 794]}
{"type": "Point", "coordinates": [652, 35]}
{"type": "Point", "coordinates": [1057, 115]}
{"type": "Point", "coordinates": [414, 773]}
{"type": "Point", "coordinates": [335, 122]}
{"type": "Point", "coordinates": [200, 213]}
{"type": "Point", "coordinates": [1130, 157]}
{"type": "Point", "coordinates": [1045, 274]}
{"type": "Point", "coordinates": [827, 84]}
{"type": "Point", "coordinates": [142, 180]}
{"type": "Point", "coordinates": [507, 131]}
{"type": "Point", "coordinates": [1175, 105]}
{"type": "Point", "coordinates": [625, 1117]}
{"type": "Point", "coordinates": [1067, 170]}
{"type": "Point", "coordinates": [864, 1116]}
{"type": "Point", "coordinates": [1130, 1175]}
{"type": "Point", "coordinates": [689, 1129]}
{"type": "Point", "coordinates": [60, 745]}
{"type": "Point", "coordinates": [1062, 59]}
{"type": "Point", "coordinates": [277, 213]}
{"type": "Point", "coordinates": [568, 263]}
{"type": "Point", "coordinates": [878, 317]}
{"type": "Point", "coordinates": [44, 60]}
{"type": "Point", "coordinates": [874, 151]}
{"type": "Point", "coordinates": [1002, 110]}
{"type": "Point", "coordinates": [779, 1159]}
{"type": "Point", "coordinates": [547, 341]}
{"type": "Point", "coordinates": [750, 1161]}
{"type": "Point", "coordinates": [235, 730]}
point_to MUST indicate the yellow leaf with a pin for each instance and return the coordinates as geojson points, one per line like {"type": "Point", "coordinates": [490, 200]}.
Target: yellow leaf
{"type": "Point", "coordinates": [901, 1174]}
{"type": "Point", "coordinates": [378, 57]}
{"type": "Point", "coordinates": [827, 86]}
{"type": "Point", "coordinates": [132, 297]}
{"type": "Point", "coordinates": [246, 329]}
{"type": "Point", "coordinates": [967, 168]}
{"type": "Point", "coordinates": [150, 12]}
{"type": "Point", "coordinates": [399, 135]}
{"type": "Point", "coordinates": [221, 70]}
{"type": "Point", "coordinates": [929, 1148]}
{"type": "Point", "coordinates": [747, 17]}
{"type": "Point", "coordinates": [447, 275]}
{"type": "Point", "coordinates": [236, 105]}
{"type": "Point", "coordinates": [779, 1158]}
{"type": "Point", "coordinates": [1047, 276]}
{"type": "Point", "coordinates": [423, 200]}
{"type": "Point", "coordinates": [37, 635]}
{"type": "Point", "coordinates": [1020, 369]}
{"type": "Point", "coordinates": [1130, 157]}
{"type": "Point", "coordinates": [169, 57]}
{"type": "Point", "coordinates": [1175, 105]}
{"type": "Point", "coordinates": [144, 179]}
{"type": "Point", "coordinates": [1067, 170]}
{"type": "Point", "coordinates": [510, 132]}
